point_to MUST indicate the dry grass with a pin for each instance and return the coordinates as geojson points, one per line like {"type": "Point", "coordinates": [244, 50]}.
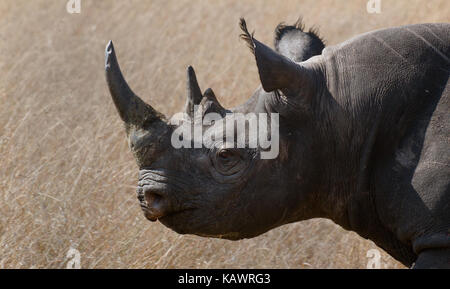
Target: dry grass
{"type": "Point", "coordinates": [66, 175]}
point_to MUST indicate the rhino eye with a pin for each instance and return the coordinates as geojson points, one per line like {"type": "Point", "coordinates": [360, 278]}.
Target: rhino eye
{"type": "Point", "coordinates": [227, 161]}
{"type": "Point", "coordinates": [227, 158]}
{"type": "Point", "coordinates": [225, 154]}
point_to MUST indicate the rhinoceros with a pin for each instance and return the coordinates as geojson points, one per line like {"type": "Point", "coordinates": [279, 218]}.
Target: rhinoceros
{"type": "Point", "coordinates": [364, 134]}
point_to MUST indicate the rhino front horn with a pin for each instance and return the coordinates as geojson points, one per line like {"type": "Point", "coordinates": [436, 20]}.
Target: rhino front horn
{"type": "Point", "coordinates": [133, 110]}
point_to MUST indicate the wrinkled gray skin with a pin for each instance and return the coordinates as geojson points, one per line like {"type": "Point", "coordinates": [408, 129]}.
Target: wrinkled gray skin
{"type": "Point", "coordinates": [364, 141]}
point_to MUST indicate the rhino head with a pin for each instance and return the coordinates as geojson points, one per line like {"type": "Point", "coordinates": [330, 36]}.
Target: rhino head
{"type": "Point", "coordinates": [222, 190]}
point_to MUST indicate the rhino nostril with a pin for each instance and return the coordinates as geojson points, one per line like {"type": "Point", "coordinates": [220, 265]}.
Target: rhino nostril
{"type": "Point", "coordinates": [156, 204]}
{"type": "Point", "coordinates": [153, 199]}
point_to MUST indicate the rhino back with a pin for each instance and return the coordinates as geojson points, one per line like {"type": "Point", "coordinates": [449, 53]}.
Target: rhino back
{"type": "Point", "coordinates": [394, 78]}
{"type": "Point", "coordinates": [390, 65]}
{"type": "Point", "coordinates": [393, 84]}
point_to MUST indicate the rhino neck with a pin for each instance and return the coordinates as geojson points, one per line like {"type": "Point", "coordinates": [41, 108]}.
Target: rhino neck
{"type": "Point", "coordinates": [357, 133]}
{"type": "Point", "coordinates": [345, 194]}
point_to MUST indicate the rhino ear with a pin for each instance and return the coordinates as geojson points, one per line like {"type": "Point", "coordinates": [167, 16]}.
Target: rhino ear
{"type": "Point", "coordinates": [276, 71]}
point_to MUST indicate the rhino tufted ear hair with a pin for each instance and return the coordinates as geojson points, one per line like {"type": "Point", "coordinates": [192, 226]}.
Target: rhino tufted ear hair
{"type": "Point", "coordinates": [276, 72]}
{"type": "Point", "coordinates": [296, 43]}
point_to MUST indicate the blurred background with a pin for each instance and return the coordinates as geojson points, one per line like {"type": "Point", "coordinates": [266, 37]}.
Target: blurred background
{"type": "Point", "coordinates": [67, 178]}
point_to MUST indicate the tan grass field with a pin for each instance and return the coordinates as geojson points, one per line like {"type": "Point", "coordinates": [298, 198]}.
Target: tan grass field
{"type": "Point", "coordinates": [67, 177]}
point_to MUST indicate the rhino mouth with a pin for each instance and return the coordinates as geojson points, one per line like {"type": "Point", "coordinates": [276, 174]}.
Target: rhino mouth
{"type": "Point", "coordinates": [159, 197]}
{"type": "Point", "coordinates": [165, 197]}
{"type": "Point", "coordinates": [157, 206]}
{"type": "Point", "coordinates": [150, 214]}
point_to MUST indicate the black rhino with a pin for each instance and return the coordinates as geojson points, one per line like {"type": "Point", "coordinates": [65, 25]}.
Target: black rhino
{"type": "Point", "coordinates": [364, 134]}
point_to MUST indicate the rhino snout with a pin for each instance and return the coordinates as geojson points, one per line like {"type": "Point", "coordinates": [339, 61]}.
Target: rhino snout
{"type": "Point", "coordinates": [154, 204]}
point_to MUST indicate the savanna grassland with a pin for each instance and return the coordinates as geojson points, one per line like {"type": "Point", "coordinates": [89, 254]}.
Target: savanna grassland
{"type": "Point", "coordinates": [67, 178]}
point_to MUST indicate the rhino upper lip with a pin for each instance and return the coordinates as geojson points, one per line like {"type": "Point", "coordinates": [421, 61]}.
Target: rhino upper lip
{"type": "Point", "coordinates": [171, 214]}
{"type": "Point", "coordinates": [148, 210]}
{"type": "Point", "coordinates": [158, 181]}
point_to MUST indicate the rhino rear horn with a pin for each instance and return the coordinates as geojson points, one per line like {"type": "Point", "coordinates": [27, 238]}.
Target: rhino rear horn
{"type": "Point", "coordinates": [276, 72]}
{"type": "Point", "coordinates": [194, 94]}
{"type": "Point", "coordinates": [133, 110]}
